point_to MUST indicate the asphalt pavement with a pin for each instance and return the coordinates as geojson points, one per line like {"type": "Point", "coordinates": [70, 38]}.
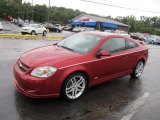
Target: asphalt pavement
{"type": "Point", "coordinates": [121, 99]}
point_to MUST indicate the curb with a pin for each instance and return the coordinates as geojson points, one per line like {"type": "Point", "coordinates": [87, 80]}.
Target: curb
{"type": "Point", "coordinates": [29, 36]}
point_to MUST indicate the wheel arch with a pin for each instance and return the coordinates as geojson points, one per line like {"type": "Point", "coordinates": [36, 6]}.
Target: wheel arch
{"type": "Point", "coordinates": [73, 72]}
{"type": "Point", "coordinates": [142, 59]}
{"type": "Point", "coordinates": [32, 30]}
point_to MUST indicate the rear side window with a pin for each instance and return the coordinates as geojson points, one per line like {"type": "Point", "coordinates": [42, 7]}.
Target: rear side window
{"type": "Point", "coordinates": [114, 45]}
{"type": "Point", "coordinates": [131, 44]}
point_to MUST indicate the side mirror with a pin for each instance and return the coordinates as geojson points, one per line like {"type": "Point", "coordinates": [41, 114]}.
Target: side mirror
{"type": "Point", "coordinates": [103, 53]}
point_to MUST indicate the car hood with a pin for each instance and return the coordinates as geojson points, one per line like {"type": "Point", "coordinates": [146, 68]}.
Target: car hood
{"type": "Point", "coordinates": [53, 54]}
{"type": "Point", "coordinates": [26, 28]}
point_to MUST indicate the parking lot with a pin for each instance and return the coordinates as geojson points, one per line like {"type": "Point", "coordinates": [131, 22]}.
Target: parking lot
{"type": "Point", "coordinates": [120, 99]}
{"type": "Point", "coordinates": [10, 28]}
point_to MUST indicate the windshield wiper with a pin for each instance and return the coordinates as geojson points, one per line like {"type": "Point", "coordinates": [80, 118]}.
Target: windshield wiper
{"type": "Point", "coordinates": [66, 48]}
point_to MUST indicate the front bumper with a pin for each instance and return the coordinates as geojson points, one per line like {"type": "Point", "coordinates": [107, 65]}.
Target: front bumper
{"type": "Point", "coordinates": [32, 93]}
{"type": "Point", "coordinates": [34, 87]}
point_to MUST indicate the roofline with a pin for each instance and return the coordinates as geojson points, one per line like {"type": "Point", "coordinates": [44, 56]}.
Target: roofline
{"type": "Point", "coordinates": [122, 24]}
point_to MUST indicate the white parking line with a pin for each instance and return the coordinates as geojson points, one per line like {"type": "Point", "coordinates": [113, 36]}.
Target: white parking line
{"type": "Point", "coordinates": [135, 106]}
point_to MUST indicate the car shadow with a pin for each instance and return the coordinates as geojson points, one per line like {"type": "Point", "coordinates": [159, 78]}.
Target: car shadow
{"type": "Point", "coordinates": [111, 97]}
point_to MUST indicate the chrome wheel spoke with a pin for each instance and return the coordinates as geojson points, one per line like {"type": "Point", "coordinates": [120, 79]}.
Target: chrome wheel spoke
{"type": "Point", "coordinates": [80, 81]}
{"type": "Point", "coordinates": [68, 90]}
{"type": "Point", "coordinates": [73, 94]}
{"type": "Point", "coordinates": [139, 69]}
{"type": "Point", "coordinates": [75, 87]}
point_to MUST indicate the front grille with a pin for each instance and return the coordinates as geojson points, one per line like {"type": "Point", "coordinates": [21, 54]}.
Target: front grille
{"type": "Point", "coordinates": [23, 67]}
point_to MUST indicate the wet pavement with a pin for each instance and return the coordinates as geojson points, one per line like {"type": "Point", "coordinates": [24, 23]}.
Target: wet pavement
{"type": "Point", "coordinates": [120, 99]}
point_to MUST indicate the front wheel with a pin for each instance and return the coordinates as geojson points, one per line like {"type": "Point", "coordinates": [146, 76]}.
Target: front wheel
{"type": "Point", "coordinates": [152, 42]}
{"type": "Point", "coordinates": [33, 33]}
{"type": "Point", "coordinates": [74, 86]}
{"type": "Point", "coordinates": [137, 72]}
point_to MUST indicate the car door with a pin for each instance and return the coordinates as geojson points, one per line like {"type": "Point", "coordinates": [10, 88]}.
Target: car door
{"type": "Point", "coordinates": [114, 65]}
{"type": "Point", "coordinates": [38, 29]}
{"type": "Point", "coordinates": [133, 53]}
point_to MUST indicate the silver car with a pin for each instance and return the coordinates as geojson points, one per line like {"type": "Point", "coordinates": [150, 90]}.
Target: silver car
{"type": "Point", "coordinates": [152, 39]}
{"type": "Point", "coordinates": [1, 26]}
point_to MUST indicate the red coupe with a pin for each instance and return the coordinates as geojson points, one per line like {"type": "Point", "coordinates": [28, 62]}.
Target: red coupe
{"type": "Point", "coordinates": [78, 62]}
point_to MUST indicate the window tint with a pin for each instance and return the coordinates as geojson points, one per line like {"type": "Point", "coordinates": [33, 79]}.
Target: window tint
{"type": "Point", "coordinates": [131, 44]}
{"type": "Point", "coordinates": [114, 45]}
{"type": "Point", "coordinates": [81, 42]}
{"type": "Point", "coordinates": [38, 26]}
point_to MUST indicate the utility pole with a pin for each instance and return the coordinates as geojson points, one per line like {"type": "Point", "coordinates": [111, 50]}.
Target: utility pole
{"type": "Point", "coordinates": [18, 14]}
{"type": "Point", "coordinates": [23, 15]}
{"type": "Point", "coordinates": [48, 12]}
{"type": "Point", "coordinates": [32, 10]}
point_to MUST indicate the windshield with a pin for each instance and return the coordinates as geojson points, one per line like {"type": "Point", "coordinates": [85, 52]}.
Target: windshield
{"type": "Point", "coordinates": [81, 43]}
{"type": "Point", "coordinates": [151, 36]}
{"type": "Point", "coordinates": [32, 25]}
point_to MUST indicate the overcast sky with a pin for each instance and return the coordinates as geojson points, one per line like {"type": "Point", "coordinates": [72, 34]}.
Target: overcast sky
{"type": "Point", "coordinates": [150, 5]}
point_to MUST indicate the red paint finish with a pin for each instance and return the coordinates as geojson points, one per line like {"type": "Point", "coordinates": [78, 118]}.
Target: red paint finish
{"type": "Point", "coordinates": [97, 69]}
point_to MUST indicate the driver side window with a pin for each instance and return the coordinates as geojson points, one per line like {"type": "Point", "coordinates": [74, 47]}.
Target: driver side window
{"type": "Point", "coordinates": [38, 26]}
{"type": "Point", "coordinates": [114, 45]}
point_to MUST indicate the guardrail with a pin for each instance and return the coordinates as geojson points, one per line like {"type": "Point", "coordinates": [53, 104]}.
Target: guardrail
{"type": "Point", "coordinates": [29, 36]}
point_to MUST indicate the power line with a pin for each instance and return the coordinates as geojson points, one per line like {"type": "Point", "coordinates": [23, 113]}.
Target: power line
{"type": "Point", "coordinates": [111, 5]}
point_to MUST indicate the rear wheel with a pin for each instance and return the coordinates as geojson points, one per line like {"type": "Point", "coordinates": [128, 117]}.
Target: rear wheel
{"type": "Point", "coordinates": [44, 33]}
{"type": "Point", "coordinates": [74, 86]}
{"type": "Point", "coordinates": [137, 72]}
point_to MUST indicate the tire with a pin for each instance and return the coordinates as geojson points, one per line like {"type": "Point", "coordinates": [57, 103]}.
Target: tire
{"type": "Point", "coordinates": [152, 42]}
{"type": "Point", "coordinates": [138, 70]}
{"type": "Point", "coordinates": [33, 33]}
{"type": "Point", "coordinates": [44, 33]}
{"type": "Point", "coordinates": [74, 86]}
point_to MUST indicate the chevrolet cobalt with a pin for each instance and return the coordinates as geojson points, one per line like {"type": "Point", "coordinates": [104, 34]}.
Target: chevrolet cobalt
{"type": "Point", "coordinates": [78, 62]}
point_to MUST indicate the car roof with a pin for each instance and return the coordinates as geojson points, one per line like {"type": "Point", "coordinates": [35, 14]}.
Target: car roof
{"type": "Point", "coordinates": [103, 34]}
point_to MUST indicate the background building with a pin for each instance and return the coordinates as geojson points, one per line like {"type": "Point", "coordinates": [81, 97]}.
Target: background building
{"type": "Point", "coordinates": [98, 23]}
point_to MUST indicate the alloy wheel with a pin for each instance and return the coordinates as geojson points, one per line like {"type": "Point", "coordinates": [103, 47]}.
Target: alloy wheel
{"type": "Point", "coordinates": [139, 69]}
{"type": "Point", "coordinates": [75, 87]}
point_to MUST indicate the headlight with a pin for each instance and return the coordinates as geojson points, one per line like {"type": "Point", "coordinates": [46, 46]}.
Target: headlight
{"type": "Point", "coordinates": [44, 71]}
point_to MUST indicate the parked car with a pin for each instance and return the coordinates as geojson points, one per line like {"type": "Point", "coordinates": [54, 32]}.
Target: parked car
{"type": "Point", "coordinates": [34, 29]}
{"type": "Point", "coordinates": [67, 28]}
{"type": "Point", "coordinates": [20, 22]}
{"type": "Point", "coordinates": [108, 31]}
{"type": "Point", "coordinates": [15, 21]}
{"type": "Point", "coordinates": [137, 36]}
{"type": "Point", "coordinates": [152, 39]}
{"type": "Point", "coordinates": [1, 26]}
{"type": "Point", "coordinates": [9, 18]}
{"type": "Point", "coordinates": [59, 26]}
{"type": "Point", "coordinates": [89, 29]}
{"type": "Point", "coordinates": [54, 28]}
{"type": "Point", "coordinates": [80, 61]}
{"type": "Point", "coordinates": [121, 32]}
{"type": "Point", "coordinates": [26, 24]}
{"type": "Point", "coordinates": [78, 29]}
